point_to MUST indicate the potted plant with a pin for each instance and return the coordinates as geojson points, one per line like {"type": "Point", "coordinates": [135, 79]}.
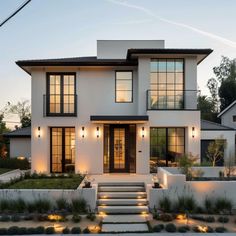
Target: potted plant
{"type": "Point", "coordinates": [87, 182]}
{"type": "Point", "coordinates": [156, 183]}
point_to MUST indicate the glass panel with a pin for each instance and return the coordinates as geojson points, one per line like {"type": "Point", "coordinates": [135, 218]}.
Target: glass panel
{"type": "Point", "coordinates": [119, 148]}
{"type": "Point", "coordinates": [106, 158]}
{"type": "Point", "coordinates": [170, 65]}
{"type": "Point", "coordinates": [162, 65]}
{"type": "Point", "coordinates": [124, 85]}
{"type": "Point", "coordinates": [170, 78]}
{"type": "Point", "coordinates": [179, 78]}
{"type": "Point", "coordinates": [69, 149]}
{"type": "Point", "coordinates": [123, 96]}
{"type": "Point", "coordinates": [162, 78]}
{"type": "Point", "coordinates": [179, 65]}
{"type": "Point", "coordinates": [154, 65]}
{"type": "Point", "coordinates": [153, 78]}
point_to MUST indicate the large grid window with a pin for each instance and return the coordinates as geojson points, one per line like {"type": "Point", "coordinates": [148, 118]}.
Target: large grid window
{"type": "Point", "coordinates": [61, 98]}
{"type": "Point", "coordinates": [62, 150]}
{"type": "Point", "coordinates": [166, 84]}
{"type": "Point", "coordinates": [166, 145]}
{"type": "Point", "coordinates": [124, 86]}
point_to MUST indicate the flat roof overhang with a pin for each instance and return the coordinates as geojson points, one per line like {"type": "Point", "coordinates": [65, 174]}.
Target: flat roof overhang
{"type": "Point", "coordinates": [119, 119]}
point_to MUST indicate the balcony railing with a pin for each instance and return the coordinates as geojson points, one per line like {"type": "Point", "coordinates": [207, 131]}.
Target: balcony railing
{"type": "Point", "coordinates": [56, 105]}
{"type": "Point", "coordinates": [171, 99]}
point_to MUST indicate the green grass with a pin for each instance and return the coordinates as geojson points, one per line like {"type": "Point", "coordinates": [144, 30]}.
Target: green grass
{"type": "Point", "coordinates": [48, 183]}
{"type": "Point", "coordinates": [4, 170]}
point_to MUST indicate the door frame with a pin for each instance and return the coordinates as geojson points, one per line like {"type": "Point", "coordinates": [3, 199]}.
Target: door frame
{"type": "Point", "coordinates": [111, 161]}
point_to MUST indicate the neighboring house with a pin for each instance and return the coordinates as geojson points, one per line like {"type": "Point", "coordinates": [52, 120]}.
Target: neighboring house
{"type": "Point", "coordinates": [228, 116]}
{"type": "Point", "coordinates": [20, 142]}
{"type": "Point", "coordinates": [131, 108]}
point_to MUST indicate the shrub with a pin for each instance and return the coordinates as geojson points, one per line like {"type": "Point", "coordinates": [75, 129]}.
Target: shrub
{"type": "Point", "coordinates": [158, 228]}
{"type": "Point", "coordinates": [14, 163]}
{"type": "Point", "coordinates": [39, 230]}
{"type": "Point", "coordinates": [223, 204]}
{"type": "Point", "coordinates": [42, 205]}
{"type": "Point", "coordinates": [166, 217]}
{"type": "Point", "coordinates": [62, 204]}
{"type": "Point", "coordinates": [50, 230]}
{"type": "Point", "coordinates": [223, 219]}
{"type": "Point", "coordinates": [183, 229]}
{"type": "Point", "coordinates": [220, 229]}
{"type": "Point", "coordinates": [15, 218]}
{"type": "Point", "coordinates": [12, 230]}
{"type": "Point", "coordinates": [209, 205]}
{"type": "Point", "coordinates": [79, 205]}
{"type": "Point", "coordinates": [165, 204]}
{"type": "Point", "coordinates": [41, 217]}
{"type": "Point", "coordinates": [5, 218]}
{"type": "Point", "coordinates": [22, 231]}
{"type": "Point", "coordinates": [210, 219]}
{"type": "Point", "coordinates": [171, 228]}
{"type": "Point", "coordinates": [3, 231]}
{"type": "Point", "coordinates": [31, 230]}
{"type": "Point", "coordinates": [76, 230]}
{"type": "Point", "coordinates": [4, 205]}
{"type": "Point", "coordinates": [91, 216]}
{"type": "Point", "coordinates": [19, 205]}
{"type": "Point", "coordinates": [76, 218]}
{"type": "Point", "coordinates": [66, 231]}
{"type": "Point", "coordinates": [185, 203]}
{"type": "Point", "coordinates": [31, 207]}
{"type": "Point", "coordinates": [86, 231]}
{"type": "Point", "coordinates": [28, 217]}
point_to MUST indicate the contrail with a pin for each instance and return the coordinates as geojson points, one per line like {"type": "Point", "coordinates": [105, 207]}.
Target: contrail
{"type": "Point", "coordinates": [189, 27]}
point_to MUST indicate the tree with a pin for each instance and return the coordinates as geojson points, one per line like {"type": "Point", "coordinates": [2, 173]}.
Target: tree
{"type": "Point", "coordinates": [213, 88]}
{"type": "Point", "coordinates": [215, 150]}
{"type": "Point", "coordinates": [22, 109]}
{"type": "Point", "coordinates": [229, 164]}
{"type": "Point", "coordinates": [3, 141]}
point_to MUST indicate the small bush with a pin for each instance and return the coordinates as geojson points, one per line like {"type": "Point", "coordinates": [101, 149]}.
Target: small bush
{"type": "Point", "coordinates": [223, 204]}
{"type": "Point", "coordinates": [4, 205]}
{"type": "Point", "coordinates": [5, 218]}
{"type": "Point", "coordinates": [39, 230]}
{"type": "Point", "coordinates": [62, 204]}
{"type": "Point", "coordinates": [91, 216]}
{"type": "Point", "coordinates": [41, 217]}
{"type": "Point", "coordinates": [79, 205]}
{"type": "Point", "coordinates": [22, 231]}
{"type": "Point", "coordinates": [15, 218]}
{"type": "Point", "coordinates": [220, 229]}
{"type": "Point", "coordinates": [185, 203]}
{"type": "Point", "coordinates": [76, 218]}
{"type": "Point", "coordinates": [3, 231]}
{"type": "Point", "coordinates": [31, 230]}
{"type": "Point", "coordinates": [171, 228]}
{"type": "Point", "coordinates": [183, 229]}
{"type": "Point", "coordinates": [12, 230]}
{"type": "Point", "coordinates": [19, 205]}
{"type": "Point", "coordinates": [76, 230]}
{"type": "Point", "coordinates": [42, 205]}
{"type": "Point", "coordinates": [158, 228]}
{"type": "Point", "coordinates": [50, 230]}
{"type": "Point", "coordinates": [223, 219]}
{"type": "Point", "coordinates": [166, 217]}
{"type": "Point", "coordinates": [209, 205]}
{"type": "Point", "coordinates": [28, 217]}
{"type": "Point", "coordinates": [86, 231]}
{"type": "Point", "coordinates": [66, 231]}
{"type": "Point", "coordinates": [210, 219]}
{"type": "Point", "coordinates": [14, 163]}
{"type": "Point", "coordinates": [165, 204]}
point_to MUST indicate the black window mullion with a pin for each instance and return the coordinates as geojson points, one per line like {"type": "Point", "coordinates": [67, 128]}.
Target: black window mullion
{"type": "Point", "coordinates": [62, 94]}
{"type": "Point", "coordinates": [63, 150]}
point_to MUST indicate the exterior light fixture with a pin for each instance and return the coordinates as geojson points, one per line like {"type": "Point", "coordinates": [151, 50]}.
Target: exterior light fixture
{"type": "Point", "coordinates": [97, 132]}
{"type": "Point", "coordinates": [193, 132]}
{"type": "Point", "coordinates": [39, 132]}
{"type": "Point", "coordinates": [82, 132]}
{"type": "Point", "coordinates": [143, 132]}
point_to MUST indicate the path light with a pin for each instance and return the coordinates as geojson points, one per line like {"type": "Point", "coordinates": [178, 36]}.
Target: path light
{"type": "Point", "coordinates": [193, 132]}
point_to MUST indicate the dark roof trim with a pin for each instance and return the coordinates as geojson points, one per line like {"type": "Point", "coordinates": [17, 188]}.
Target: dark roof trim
{"type": "Point", "coordinates": [212, 126]}
{"type": "Point", "coordinates": [119, 118]}
{"type": "Point", "coordinates": [133, 51]}
{"type": "Point", "coordinates": [19, 133]}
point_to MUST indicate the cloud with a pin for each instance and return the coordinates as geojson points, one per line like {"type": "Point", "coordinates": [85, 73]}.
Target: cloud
{"type": "Point", "coordinates": [223, 40]}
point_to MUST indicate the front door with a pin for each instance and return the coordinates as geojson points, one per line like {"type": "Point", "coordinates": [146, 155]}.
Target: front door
{"type": "Point", "coordinates": [119, 161]}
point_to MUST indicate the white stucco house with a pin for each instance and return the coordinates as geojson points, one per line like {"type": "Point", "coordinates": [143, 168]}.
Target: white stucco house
{"type": "Point", "coordinates": [129, 109]}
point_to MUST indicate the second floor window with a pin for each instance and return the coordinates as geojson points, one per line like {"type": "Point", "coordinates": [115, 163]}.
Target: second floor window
{"type": "Point", "coordinates": [124, 86]}
{"type": "Point", "coordinates": [61, 97]}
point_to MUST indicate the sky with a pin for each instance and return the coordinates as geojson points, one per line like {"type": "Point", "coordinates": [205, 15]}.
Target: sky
{"type": "Point", "coordinates": [70, 28]}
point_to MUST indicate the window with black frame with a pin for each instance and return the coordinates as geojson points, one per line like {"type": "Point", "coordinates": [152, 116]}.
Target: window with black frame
{"type": "Point", "coordinates": [166, 145]}
{"type": "Point", "coordinates": [61, 97]}
{"type": "Point", "coordinates": [166, 84]}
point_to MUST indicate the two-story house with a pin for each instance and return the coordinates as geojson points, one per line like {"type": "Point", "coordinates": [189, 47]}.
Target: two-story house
{"type": "Point", "coordinates": [129, 109]}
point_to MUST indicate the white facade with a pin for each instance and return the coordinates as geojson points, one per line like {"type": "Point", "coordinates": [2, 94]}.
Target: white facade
{"type": "Point", "coordinates": [228, 116]}
{"type": "Point", "coordinates": [20, 147]}
{"type": "Point", "coordinates": [95, 89]}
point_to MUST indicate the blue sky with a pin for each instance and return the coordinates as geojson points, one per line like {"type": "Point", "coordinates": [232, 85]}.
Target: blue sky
{"type": "Point", "coordinates": [67, 28]}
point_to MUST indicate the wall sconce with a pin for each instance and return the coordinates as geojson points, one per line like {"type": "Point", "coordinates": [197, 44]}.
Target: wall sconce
{"type": "Point", "coordinates": [143, 132]}
{"type": "Point", "coordinates": [97, 132]}
{"type": "Point", "coordinates": [193, 132]}
{"type": "Point", "coordinates": [82, 132]}
{"type": "Point", "coordinates": [39, 132]}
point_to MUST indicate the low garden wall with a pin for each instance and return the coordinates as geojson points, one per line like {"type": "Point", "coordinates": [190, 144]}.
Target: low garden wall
{"type": "Point", "coordinates": [89, 194]}
{"type": "Point", "coordinates": [175, 184]}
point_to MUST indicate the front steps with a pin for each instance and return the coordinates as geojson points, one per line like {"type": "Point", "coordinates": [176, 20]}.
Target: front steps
{"type": "Point", "coordinates": [123, 207]}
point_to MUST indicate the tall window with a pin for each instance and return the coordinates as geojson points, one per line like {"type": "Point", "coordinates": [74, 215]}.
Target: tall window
{"type": "Point", "coordinates": [166, 84]}
{"type": "Point", "coordinates": [61, 98]}
{"type": "Point", "coordinates": [124, 86]}
{"type": "Point", "coordinates": [166, 145]}
{"type": "Point", "coordinates": [62, 150]}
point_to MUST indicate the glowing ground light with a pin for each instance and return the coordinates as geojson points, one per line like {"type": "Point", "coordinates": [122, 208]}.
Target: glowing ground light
{"type": "Point", "coordinates": [181, 217]}
{"type": "Point", "coordinates": [54, 217]}
{"type": "Point", "coordinates": [102, 213]}
{"type": "Point", "coordinates": [202, 228]}
{"type": "Point", "coordinates": [94, 228]}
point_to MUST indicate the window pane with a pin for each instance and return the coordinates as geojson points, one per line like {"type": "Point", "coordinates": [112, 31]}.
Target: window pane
{"type": "Point", "coordinates": [123, 96]}
{"type": "Point", "coordinates": [154, 65]}
{"type": "Point", "coordinates": [162, 78]}
{"type": "Point", "coordinates": [162, 65]}
{"type": "Point", "coordinates": [170, 78]}
{"type": "Point", "coordinates": [179, 78]}
{"type": "Point", "coordinates": [170, 65]}
{"type": "Point", "coordinates": [179, 65]}
{"type": "Point", "coordinates": [124, 85]}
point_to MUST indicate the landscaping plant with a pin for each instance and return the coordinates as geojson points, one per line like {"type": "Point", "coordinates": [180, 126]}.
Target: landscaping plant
{"type": "Point", "coordinates": [79, 205]}
{"type": "Point", "coordinates": [165, 204]}
{"type": "Point", "coordinates": [171, 228]}
{"type": "Point", "coordinates": [76, 230]}
{"type": "Point", "coordinates": [158, 228]}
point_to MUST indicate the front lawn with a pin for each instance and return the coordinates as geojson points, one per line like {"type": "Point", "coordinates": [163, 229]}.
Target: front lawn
{"type": "Point", "coordinates": [4, 170]}
{"type": "Point", "coordinates": [48, 183]}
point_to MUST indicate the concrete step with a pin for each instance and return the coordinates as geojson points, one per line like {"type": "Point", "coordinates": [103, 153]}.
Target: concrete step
{"type": "Point", "coordinates": [125, 195]}
{"type": "Point", "coordinates": [120, 202]}
{"type": "Point", "coordinates": [123, 209]}
{"type": "Point", "coordinates": [121, 189]}
{"type": "Point", "coordinates": [124, 219]}
{"type": "Point", "coordinates": [121, 184]}
{"type": "Point", "coordinates": [118, 228]}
